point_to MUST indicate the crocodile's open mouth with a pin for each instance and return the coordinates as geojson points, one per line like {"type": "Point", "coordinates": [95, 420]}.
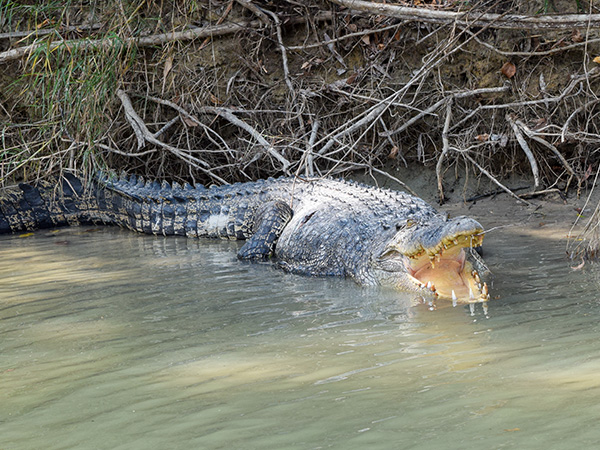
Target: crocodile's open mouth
{"type": "Point", "coordinates": [446, 272]}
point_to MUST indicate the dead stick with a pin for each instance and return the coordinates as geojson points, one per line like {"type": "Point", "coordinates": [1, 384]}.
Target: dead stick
{"type": "Point", "coordinates": [445, 149]}
{"type": "Point", "coordinates": [144, 135]}
{"type": "Point", "coordinates": [525, 147]}
{"type": "Point", "coordinates": [227, 114]}
{"type": "Point", "coordinates": [532, 135]}
{"type": "Point", "coordinates": [491, 177]}
{"type": "Point", "coordinates": [156, 39]}
{"type": "Point", "coordinates": [468, 19]}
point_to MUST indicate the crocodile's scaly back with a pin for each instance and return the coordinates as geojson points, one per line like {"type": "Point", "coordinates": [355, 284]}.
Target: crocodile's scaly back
{"type": "Point", "coordinates": [313, 227]}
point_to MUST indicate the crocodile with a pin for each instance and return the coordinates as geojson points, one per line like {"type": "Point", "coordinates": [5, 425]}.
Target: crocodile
{"type": "Point", "coordinates": [317, 227]}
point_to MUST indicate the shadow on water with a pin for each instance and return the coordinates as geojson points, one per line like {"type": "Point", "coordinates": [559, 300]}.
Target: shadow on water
{"type": "Point", "coordinates": [116, 340]}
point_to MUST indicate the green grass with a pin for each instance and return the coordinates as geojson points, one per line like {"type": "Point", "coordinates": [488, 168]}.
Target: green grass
{"type": "Point", "coordinates": [64, 93]}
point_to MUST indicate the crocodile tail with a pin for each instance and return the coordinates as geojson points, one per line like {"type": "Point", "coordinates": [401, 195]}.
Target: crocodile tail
{"type": "Point", "coordinates": [46, 205]}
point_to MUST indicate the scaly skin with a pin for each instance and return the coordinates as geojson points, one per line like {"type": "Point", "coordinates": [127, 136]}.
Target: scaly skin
{"type": "Point", "coordinates": [317, 227]}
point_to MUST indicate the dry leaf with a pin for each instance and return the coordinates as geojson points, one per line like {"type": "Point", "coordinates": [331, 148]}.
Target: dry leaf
{"type": "Point", "coordinates": [597, 59]}
{"type": "Point", "coordinates": [482, 137]}
{"type": "Point", "coordinates": [189, 122]}
{"type": "Point", "coordinates": [576, 36]}
{"type": "Point", "coordinates": [366, 39]}
{"type": "Point", "coordinates": [393, 152]}
{"type": "Point", "coordinates": [539, 123]}
{"type": "Point", "coordinates": [168, 66]}
{"type": "Point", "coordinates": [352, 78]}
{"type": "Point", "coordinates": [508, 69]}
{"type": "Point", "coordinates": [215, 100]}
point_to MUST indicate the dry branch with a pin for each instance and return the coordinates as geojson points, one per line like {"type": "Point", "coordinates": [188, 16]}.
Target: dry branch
{"type": "Point", "coordinates": [475, 19]}
{"type": "Point", "coordinates": [445, 148]}
{"type": "Point", "coordinates": [229, 115]}
{"type": "Point", "coordinates": [494, 180]}
{"type": "Point", "coordinates": [144, 135]}
{"type": "Point", "coordinates": [146, 41]}
{"type": "Point", "coordinates": [525, 147]}
{"type": "Point", "coordinates": [534, 136]}
{"type": "Point", "coordinates": [45, 32]}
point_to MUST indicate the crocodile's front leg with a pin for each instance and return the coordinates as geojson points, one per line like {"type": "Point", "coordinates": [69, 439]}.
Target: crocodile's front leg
{"type": "Point", "coordinates": [271, 219]}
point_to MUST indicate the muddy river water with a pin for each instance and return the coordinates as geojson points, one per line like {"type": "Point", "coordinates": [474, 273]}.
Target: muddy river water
{"type": "Point", "coordinates": [114, 340]}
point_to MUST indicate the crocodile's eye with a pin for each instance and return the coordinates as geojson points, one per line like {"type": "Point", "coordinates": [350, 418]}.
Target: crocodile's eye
{"type": "Point", "coordinates": [408, 224]}
{"type": "Point", "coordinates": [307, 217]}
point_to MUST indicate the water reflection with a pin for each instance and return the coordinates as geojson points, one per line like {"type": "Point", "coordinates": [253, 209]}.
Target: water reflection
{"type": "Point", "coordinates": [116, 340]}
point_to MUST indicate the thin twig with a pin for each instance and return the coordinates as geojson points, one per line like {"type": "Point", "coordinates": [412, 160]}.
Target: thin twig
{"type": "Point", "coordinates": [493, 179]}
{"type": "Point", "coordinates": [255, 9]}
{"type": "Point", "coordinates": [445, 149]}
{"type": "Point", "coordinates": [286, 70]}
{"type": "Point", "coordinates": [532, 135]}
{"type": "Point", "coordinates": [525, 147]}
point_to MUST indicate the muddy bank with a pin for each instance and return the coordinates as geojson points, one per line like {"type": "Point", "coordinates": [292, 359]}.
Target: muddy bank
{"type": "Point", "coordinates": [234, 91]}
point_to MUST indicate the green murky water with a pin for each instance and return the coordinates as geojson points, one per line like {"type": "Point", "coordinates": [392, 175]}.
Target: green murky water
{"type": "Point", "coordinates": [113, 340]}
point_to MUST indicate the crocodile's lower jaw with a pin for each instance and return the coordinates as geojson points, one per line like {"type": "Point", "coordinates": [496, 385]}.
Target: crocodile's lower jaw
{"type": "Point", "coordinates": [449, 276]}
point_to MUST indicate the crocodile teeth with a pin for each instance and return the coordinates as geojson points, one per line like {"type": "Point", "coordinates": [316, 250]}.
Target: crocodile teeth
{"type": "Point", "coordinates": [429, 285]}
{"type": "Point", "coordinates": [484, 290]}
{"type": "Point", "coordinates": [454, 297]}
{"type": "Point", "coordinates": [471, 295]}
{"type": "Point", "coordinates": [472, 308]}
{"type": "Point", "coordinates": [476, 276]}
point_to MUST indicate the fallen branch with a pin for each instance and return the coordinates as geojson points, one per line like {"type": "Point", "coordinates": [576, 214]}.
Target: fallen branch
{"type": "Point", "coordinates": [474, 19]}
{"type": "Point", "coordinates": [147, 41]}
{"type": "Point", "coordinates": [46, 31]}
{"type": "Point", "coordinates": [532, 135]}
{"type": "Point", "coordinates": [286, 70]}
{"type": "Point", "coordinates": [464, 94]}
{"type": "Point", "coordinates": [229, 115]}
{"type": "Point", "coordinates": [549, 52]}
{"type": "Point", "coordinates": [144, 135]}
{"type": "Point", "coordinates": [256, 10]}
{"type": "Point", "coordinates": [543, 192]}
